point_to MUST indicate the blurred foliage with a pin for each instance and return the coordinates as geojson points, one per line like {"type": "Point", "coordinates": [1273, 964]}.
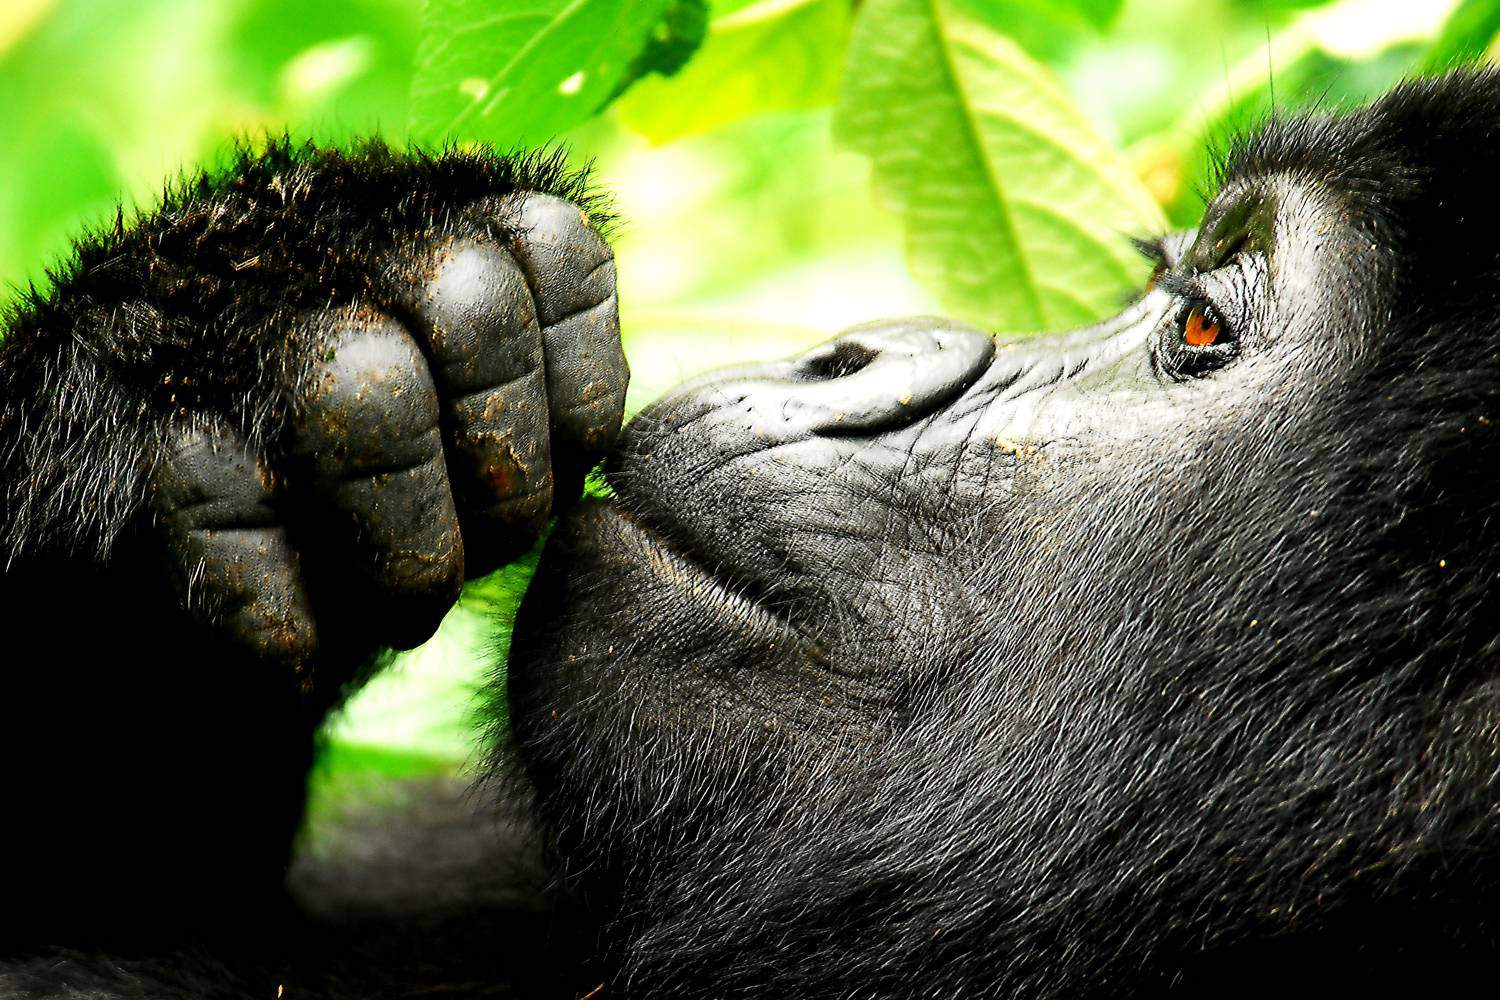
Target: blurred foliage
{"type": "Point", "coordinates": [992, 156]}
{"type": "Point", "coordinates": [524, 71]}
{"type": "Point", "coordinates": [756, 59]}
{"type": "Point", "coordinates": [1013, 204]}
{"type": "Point", "coordinates": [1468, 34]}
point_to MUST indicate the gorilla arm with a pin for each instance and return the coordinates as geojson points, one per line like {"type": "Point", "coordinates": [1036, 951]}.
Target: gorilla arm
{"type": "Point", "coordinates": [245, 445]}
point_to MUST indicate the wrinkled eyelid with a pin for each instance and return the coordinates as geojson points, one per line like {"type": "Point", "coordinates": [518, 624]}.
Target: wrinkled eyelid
{"type": "Point", "coordinates": [1226, 251]}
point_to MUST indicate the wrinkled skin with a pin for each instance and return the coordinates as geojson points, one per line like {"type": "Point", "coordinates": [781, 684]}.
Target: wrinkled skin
{"type": "Point", "coordinates": [1112, 663]}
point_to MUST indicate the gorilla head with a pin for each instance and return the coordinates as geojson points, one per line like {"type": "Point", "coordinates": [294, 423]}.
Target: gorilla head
{"type": "Point", "coordinates": [924, 666]}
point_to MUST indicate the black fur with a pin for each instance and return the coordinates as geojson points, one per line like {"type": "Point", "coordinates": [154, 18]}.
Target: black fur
{"type": "Point", "coordinates": [1190, 685]}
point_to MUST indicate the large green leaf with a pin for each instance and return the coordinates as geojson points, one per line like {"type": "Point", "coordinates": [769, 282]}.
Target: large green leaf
{"type": "Point", "coordinates": [771, 55]}
{"type": "Point", "coordinates": [523, 71]}
{"type": "Point", "coordinates": [1017, 213]}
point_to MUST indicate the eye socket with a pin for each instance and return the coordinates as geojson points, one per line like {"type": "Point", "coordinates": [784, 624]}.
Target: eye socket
{"type": "Point", "coordinates": [1197, 344]}
{"type": "Point", "coordinates": [1195, 339]}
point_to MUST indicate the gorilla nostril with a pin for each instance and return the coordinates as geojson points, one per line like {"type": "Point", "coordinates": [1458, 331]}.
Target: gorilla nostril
{"type": "Point", "coordinates": [838, 359]}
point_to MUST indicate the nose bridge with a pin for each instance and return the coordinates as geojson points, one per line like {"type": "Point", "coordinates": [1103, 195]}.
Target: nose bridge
{"type": "Point", "coordinates": [874, 378]}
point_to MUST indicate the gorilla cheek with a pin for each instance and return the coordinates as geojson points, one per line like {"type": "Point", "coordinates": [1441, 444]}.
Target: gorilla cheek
{"type": "Point", "coordinates": [614, 611]}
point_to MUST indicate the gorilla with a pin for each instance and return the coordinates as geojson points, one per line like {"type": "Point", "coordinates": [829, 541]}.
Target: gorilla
{"type": "Point", "coordinates": [1157, 658]}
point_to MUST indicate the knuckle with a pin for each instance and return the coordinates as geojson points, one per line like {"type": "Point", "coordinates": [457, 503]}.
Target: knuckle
{"type": "Point", "coordinates": [471, 304]}
{"type": "Point", "coordinates": [210, 480]}
{"type": "Point", "coordinates": [572, 273]}
{"type": "Point", "coordinates": [367, 437]}
{"type": "Point", "coordinates": [570, 266]}
{"type": "Point", "coordinates": [501, 441]}
{"type": "Point", "coordinates": [233, 564]}
{"type": "Point", "coordinates": [369, 404]}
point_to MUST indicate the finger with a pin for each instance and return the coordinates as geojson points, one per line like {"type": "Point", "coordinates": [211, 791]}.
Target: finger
{"type": "Point", "coordinates": [470, 305]}
{"type": "Point", "coordinates": [234, 566]}
{"type": "Point", "coordinates": [365, 440]}
{"type": "Point", "coordinates": [572, 276]}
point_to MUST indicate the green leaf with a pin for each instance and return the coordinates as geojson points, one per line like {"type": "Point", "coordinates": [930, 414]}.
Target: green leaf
{"type": "Point", "coordinates": [1100, 13]}
{"type": "Point", "coordinates": [1049, 30]}
{"type": "Point", "coordinates": [1016, 211]}
{"type": "Point", "coordinates": [1262, 7]}
{"type": "Point", "coordinates": [771, 55]}
{"type": "Point", "coordinates": [673, 42]}
{"type": "Point", "coordinates": [344, 69]}
{"type": "Point", "coordinates": [523, 71]}
{"type": "Point", "coordinates": [1097, 14]}
{"type": "Point", "coordinates": [1466, 36]}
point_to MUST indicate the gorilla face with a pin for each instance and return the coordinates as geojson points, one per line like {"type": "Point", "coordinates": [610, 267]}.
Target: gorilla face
{"type": "Point", "coordinates": [1047, 666]}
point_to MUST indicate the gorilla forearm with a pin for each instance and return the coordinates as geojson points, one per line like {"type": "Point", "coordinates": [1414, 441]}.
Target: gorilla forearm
{"type": "Point", "coordinates": [248, 442]}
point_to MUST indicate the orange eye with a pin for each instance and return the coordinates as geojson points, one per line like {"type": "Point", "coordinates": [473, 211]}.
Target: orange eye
{"type": "Point", "coordinates": [1202, 330]}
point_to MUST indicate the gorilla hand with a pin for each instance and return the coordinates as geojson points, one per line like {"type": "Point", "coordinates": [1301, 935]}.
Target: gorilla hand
{"type": "Point", "coordinates": [421, 440]}
{"type": "Point", "coordinates": [319, 391]}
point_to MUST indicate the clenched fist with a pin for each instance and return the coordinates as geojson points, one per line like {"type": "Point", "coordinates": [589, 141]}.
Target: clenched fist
{"type": "Point", "coordinates": [337, 386]}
